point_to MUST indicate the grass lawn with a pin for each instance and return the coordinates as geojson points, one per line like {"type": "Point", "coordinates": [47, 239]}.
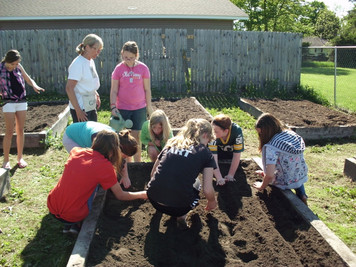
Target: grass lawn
{"type": "Point", "coordinates": [31, 237]}
{"type": "Point", "coordinates": [320, 77]}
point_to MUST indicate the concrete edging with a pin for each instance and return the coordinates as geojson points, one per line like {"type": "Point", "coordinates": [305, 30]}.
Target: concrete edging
{"type": "Point", "coordinates": [350, 168]}
{"type": "Point", "coordinates": [4, 182]}
{"type": "Point", "coordinates": [337, 245]}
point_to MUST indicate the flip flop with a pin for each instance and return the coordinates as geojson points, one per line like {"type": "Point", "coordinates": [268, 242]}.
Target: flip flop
{"type": "Point", "coordinates": [22, 164]}
{"type": "Point", "coordinates": [6, 165]}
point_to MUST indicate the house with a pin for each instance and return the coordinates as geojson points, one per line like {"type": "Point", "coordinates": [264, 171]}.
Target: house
{"type": "Point", "coordinates": [69, 14]}
{"type": "Point", "coordinates": [315, 48]}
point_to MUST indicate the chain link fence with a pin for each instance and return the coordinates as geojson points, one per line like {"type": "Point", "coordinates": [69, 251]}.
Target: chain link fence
{"type": "Point", "coordinates": [331, 71]}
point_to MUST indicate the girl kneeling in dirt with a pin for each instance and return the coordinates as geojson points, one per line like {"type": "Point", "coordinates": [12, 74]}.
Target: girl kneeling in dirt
{"type": "Point", "coordinates": [82, 134]}
{"type": "Point", "coordinates": [174, 186]}
{"type": "Point", "coordinates": [155, 133]}
{"type": "Point", "coordinates": [282, 156]}
{"type": "Point", "coordinates": [70, 201]}
{"type": "Point", "coordinates": [229, 144]}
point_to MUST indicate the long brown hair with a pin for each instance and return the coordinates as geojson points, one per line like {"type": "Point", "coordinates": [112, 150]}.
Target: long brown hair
{"type": "Point", "coordinates": [269, 126]}
{"type": "Point", "coordinates": [11, 56]}
{"type": "Point", "coordinates": [107, 143]}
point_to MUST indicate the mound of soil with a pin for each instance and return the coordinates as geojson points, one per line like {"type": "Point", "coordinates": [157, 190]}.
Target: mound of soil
{"type": "Point", "coordinates": [45, 115]}
{"type": "Point", "coordinates": [292, 112]}
{"type": "Point", "coordinates": [303, 113]}
{"type": "Point", "coordinates": [247, 229]}
{"type": "Point", "coordinates": [181, 110]}
{"type": "Point", "coordinates": [38, 117]}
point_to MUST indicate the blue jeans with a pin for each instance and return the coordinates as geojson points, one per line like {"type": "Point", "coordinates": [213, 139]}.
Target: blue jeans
{"type": "Point", "coordinates": [300, 192]}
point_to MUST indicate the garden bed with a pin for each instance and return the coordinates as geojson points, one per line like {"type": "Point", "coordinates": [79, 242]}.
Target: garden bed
{"type": "Point", "coordinates": [247, 229]}
{"type": "Point", "coordinates": [42, 118]}
{"type": "Point", "coordinates": [312, 121]}
{"type": "Point", "coordinates": [179, 111]}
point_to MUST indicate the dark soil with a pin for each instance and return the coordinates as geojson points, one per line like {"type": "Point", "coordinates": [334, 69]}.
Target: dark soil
{"type": "Point", "coordinates": [39, 117]}
{"type": "Point", "coordinates": [180, 111]}
{"type": "Point", "coordinates": [303, 113]}
{"type": "Point", "coordinates": [291, 112]}
{"type": "Point", "coordinates": [247, 229]}
{"type": "Point", "coordinates": [44, 115]}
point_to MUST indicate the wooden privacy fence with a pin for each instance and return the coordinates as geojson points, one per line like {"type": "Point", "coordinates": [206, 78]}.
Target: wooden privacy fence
{"type": "Point", "coordinates": [213, 62]}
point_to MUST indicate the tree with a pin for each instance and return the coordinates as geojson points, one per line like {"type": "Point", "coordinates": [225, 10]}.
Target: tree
{"type": "Point", "coordinates": [288, 16]}
{"type": "Point", "coordinates": [327, 25]}
{"type": "Point", "coordinates": [270, 15]}
{"type": "Point", "coordinates": [347, 57]}
{"type": "Point", "coordinates": [348, 30]}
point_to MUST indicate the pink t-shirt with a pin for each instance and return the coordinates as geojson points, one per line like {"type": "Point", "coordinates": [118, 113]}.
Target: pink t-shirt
{"type": "Point", "coordinates": [131, 93]}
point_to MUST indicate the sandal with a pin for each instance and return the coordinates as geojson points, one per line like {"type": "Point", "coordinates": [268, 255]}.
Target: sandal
{"type": "Point", "coordinates": [22, 164]}
{"type": "Point", "coordinates": [6, 165]}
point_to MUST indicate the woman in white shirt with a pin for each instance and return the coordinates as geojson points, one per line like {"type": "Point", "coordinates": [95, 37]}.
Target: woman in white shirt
{"type": "Point", "coordinates": [83, 80]}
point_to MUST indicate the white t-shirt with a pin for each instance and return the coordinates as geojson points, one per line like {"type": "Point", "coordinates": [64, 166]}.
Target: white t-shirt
{"type": "Point", "coordinates": [83, 71]}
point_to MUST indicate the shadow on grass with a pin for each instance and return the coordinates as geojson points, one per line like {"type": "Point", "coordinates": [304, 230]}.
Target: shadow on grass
{"type": "Point", "coordinates": [325, 71]}
{"type": "Point", "coordinates": [50, 247]}
{"type": "Point", "coordinates": [335, 141]}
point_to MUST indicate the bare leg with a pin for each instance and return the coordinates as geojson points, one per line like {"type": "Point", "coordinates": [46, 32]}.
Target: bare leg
{"type": "Point", "coordinates": [9, 131]}
{"type": "Point", "coordinates": [20, 140]}
{"type": "Point", "coordinates": [152, 153]}
{"type": "Point", "coordinates": [136, 135]}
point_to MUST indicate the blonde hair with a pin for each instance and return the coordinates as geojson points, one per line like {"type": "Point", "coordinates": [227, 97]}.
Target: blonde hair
{"type": "Point", "coordinates": [158, 116]}
{"type": "Point", "coordinates": [91, 40]}
{"type": "Point", "coordinates": [190, 134]}
{"type": "Point", "coordinates": [107, 143]}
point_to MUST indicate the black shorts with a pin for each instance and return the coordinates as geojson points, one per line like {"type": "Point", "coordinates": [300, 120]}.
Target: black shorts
{"type": "Point", "coordinates": [91, 115]}
{"type": "Point", "coordinates": [176, 211]}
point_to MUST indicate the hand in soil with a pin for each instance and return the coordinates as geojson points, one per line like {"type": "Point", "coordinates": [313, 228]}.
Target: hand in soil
{"type": "Point", "coordinates": [211, 205]}
{"type": "Point", "coordinates": [258, 186]}
{"type": "Point", "coordinates": [126, 182]}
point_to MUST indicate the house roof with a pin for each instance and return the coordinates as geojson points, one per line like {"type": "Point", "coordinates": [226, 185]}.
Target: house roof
{"type": "Point", "coordinates": [315, 41]}
{"type": "Point", "coordinates": [119, 9]}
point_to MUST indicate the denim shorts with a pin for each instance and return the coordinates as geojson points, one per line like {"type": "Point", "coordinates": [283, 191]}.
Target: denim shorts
{"type": "Point", "coordinates": [138, 117]}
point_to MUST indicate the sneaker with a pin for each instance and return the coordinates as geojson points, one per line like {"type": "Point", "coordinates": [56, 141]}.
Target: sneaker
{"type": "Point", "coordinates": [305, 200]}
{"type": "Point", "coordinates": [74, 229]}
{"type": "Point", "coordinates": [66, 228]}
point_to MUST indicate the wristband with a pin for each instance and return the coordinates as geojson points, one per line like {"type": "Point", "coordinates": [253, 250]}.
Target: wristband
{"type": "Point", "coordinates": [113, 108]}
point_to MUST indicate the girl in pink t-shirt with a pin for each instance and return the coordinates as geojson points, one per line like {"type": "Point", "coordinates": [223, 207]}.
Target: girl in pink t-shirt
{"type": "Point", "coordinates": [130, 93]}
